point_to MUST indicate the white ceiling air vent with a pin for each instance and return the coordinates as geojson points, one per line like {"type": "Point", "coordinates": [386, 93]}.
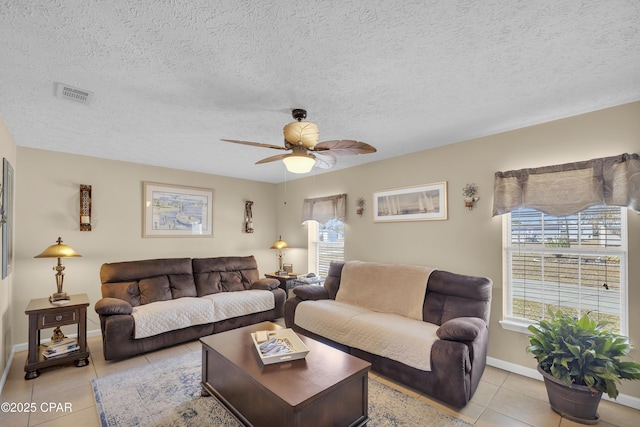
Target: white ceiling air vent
{"type": "Point", "coordinates": [73, 93]}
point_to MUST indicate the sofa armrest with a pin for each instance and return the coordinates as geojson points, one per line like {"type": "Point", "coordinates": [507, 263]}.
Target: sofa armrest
{"type": "Point", "coordinates": [461, 329]}
{"type": "Point", "coordinates": [265, 284]}
{"type": "Point", "coordinates": [311, 292]}
{"type": "Point", "coordinates": [108, 306]}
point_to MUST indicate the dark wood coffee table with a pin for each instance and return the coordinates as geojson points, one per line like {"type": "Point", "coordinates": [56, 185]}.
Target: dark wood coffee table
{"type": "Point", "coordinates": [327, 388]}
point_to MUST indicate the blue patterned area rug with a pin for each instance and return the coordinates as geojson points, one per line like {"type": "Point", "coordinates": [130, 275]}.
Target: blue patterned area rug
{"type": "Point", "coordinates": [167, 393]}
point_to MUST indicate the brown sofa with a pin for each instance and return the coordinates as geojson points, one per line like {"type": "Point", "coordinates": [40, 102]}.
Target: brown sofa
{"type": "Point", "coordinates": [171, 287]}
{"type": "Point", "coordinates": [456, 306]}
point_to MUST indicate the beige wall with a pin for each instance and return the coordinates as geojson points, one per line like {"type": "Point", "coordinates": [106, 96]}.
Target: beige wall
{"type": "Point", "coordinates": [47, 198]}
{"type": "Point", "coordinates": [8, 151]}
{"type": "Point", "coordinates": [470, 241]}
{"type": "Point", "coordinates": [47, 206]}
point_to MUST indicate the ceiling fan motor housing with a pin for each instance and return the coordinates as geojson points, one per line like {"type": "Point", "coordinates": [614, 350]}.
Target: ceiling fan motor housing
{"type": "Point", "coordinates": [301, 133]}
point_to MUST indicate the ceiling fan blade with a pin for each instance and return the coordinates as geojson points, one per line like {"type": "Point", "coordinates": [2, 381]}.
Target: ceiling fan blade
{"type": "Point", "coordinates": [272, 159]}
{"type": "Point", "coordinates": [324, 162]}
{"type": "Point", "coordinates": [343, 148]}
{"type": "Point", "coordinates": [255, 144]}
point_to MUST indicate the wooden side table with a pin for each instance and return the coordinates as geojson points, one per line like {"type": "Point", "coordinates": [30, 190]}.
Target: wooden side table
{"type": "Point", "coordinates": [44, 315]}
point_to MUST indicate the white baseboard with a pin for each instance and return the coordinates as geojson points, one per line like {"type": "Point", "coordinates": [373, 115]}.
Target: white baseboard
{"type": "Point", "coordinates": [5, 374]}
{"type": "Point", "coordinates": [623, 399]}
{"type": "Point", "coordinates": [25, 346]}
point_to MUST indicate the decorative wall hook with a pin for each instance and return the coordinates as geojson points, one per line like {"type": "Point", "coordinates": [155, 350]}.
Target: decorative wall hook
{"type": "Point", "coordinates": [248, 217]}
{"type": "Point", "coordinates": [470, 193]}
{"type": "Point", "coordinates": [360, 205]}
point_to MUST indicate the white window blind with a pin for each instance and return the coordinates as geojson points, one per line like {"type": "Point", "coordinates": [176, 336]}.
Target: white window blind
{"type": "Point", "coordinates": [326, 244]}
{"type": "Point", "coordinates": [574, 263]}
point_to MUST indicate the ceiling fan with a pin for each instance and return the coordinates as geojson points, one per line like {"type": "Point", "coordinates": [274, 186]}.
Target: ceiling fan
{"type": "Point", "coordinates": [301, 138]}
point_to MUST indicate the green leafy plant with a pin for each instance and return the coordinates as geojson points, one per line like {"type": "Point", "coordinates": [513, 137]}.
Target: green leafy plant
{"type": "Point", "coordinates": [582, 351]}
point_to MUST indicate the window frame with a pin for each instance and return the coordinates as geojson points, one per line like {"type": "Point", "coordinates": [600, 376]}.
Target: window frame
{"type": "Point", "coordinates": [313, 229]}
{"type": "Point", "coordinates": [519, 324]}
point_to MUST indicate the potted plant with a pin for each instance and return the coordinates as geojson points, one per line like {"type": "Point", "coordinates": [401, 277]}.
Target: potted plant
{"type": "Point", "coordinates": [580, 359]}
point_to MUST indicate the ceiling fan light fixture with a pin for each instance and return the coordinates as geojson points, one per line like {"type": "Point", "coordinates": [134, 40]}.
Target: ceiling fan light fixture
{"type": "Point", "coordinates": [301, 138]}
{"type": "Point", "coordinates": [301, 133]}
{"type": "Point", "coordinates": [299, 162]}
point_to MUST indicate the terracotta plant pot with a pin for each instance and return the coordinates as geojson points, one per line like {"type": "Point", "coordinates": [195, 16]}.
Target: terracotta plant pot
{"type": "Point", "coordinates": [575, 402]}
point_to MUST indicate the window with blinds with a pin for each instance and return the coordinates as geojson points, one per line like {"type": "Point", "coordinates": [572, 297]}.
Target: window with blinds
{"type": "Point", "coordinates": [326, 244]}
{"type": "Point", "coordinates": [574, 263]}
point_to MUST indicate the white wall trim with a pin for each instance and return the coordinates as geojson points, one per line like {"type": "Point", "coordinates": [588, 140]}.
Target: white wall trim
{"type": "Point", "coordinates": [25, 346]}
{"type": "Point", "coordinates": [5, 374]}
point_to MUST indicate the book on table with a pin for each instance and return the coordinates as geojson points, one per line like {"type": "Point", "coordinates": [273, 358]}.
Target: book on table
{"type": "Point", "coordinates": [59, 348]}
{"type": "Point", "coordinates": [59, 343]}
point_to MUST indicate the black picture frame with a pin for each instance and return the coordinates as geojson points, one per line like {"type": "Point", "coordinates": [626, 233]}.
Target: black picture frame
{"type": "Point", "coordinates": [6, 212]}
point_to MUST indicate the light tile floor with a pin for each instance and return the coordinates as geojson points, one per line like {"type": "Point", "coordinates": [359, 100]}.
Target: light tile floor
{"type": "Point", "coordinates": [502, 399]}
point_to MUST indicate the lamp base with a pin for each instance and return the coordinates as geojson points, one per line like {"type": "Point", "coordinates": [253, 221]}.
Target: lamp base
{"type": "Point", "coordinates": [57, 296]}
{"type": "Point", "coordinates": [282, 273]}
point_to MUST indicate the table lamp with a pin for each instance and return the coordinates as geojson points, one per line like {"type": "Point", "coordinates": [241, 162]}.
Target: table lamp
{"type": "Point", "coordinates": [59, 250]}
{"type": "Point", "coordinates": [279, 245]}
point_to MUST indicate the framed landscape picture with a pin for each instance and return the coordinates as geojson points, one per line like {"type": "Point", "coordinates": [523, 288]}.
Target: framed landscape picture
{"type": "Point", "coordinates": [423, 202]}
{"type": "Point", "coordinates": [176, 211]}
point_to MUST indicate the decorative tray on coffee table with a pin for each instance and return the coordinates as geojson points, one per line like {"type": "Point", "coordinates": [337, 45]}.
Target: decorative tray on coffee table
{"type": "Point", "coordinates": [281, 345]}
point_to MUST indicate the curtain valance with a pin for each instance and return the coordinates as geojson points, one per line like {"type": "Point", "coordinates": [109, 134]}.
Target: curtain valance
{"type": "Point", "coordinates": [569, 188]}
{"type": "Point", "coordinates": [322, 209]}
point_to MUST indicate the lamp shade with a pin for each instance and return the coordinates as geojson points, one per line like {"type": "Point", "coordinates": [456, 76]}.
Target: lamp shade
{"type": "Point", "coordinates": [299, 163]}
{"type": "Point", "coordinates": [59, 250]}
{"type": "Point", "coordinates": [301, 133]}
{"type": "Point", "coordinates": [280, 244]}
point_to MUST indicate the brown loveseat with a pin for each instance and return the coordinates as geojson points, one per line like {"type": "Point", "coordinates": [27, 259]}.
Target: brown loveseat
{"type": "Point", "coordinates": [179, 300]}
{"type": "Point", "coordinates": [451, 317]}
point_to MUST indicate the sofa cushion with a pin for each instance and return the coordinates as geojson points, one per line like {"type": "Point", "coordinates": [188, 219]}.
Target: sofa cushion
{"type": "Point", "coordinates": [136, 270]}
{"type": "Point", "coordinates": [451, 295]}
{"type": "Point", "coordinates": [231, 281]}
{"type": "Point", "coordinates": [461, 329]}
{"type": "Point", "coordinates": [227, 305]}
{"type": "Point", "coordinates": [332, 282]}
{"type": "Point", "coordinates": [154, 289]}
{"type": "Point", "coordinates": [182, 285]}
{"type": "Point", "coordinates": [395, 337]}
{"type": "Point", "coordinates": [327, 318]}
{"type": "Point", "coordinates": [386, 288]}
{"type": "Point", "coordinates": [389, 335]}
{"type": "Point", "coordinates": [223, 274]}
{"type": "Point", "coordinates": [163, 316]}
{"type": "Point", "coordinates": [208, 283]}
{"type": "Point", "coordinates": [120, 279]}
{"type": "Point", "coordinates": [126, 291]}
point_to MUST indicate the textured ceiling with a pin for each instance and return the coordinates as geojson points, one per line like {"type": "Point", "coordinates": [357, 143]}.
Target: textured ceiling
{"type": "Point", "coordinates": [171, 78]}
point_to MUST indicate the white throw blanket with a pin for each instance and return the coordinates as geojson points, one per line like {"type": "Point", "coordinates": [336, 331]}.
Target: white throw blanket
{"type": "Point", "coordinates": [389, 335]}
{"type": "Point", "coordinates": [386, 288]}
{"type": "Point", "coordinates": [227, 305]}
{"type": "Point", "coordinates": [162, 316]}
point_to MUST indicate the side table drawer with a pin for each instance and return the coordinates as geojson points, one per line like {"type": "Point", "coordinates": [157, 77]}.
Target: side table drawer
{"type": "Point", "coordinates": [57, 319]}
